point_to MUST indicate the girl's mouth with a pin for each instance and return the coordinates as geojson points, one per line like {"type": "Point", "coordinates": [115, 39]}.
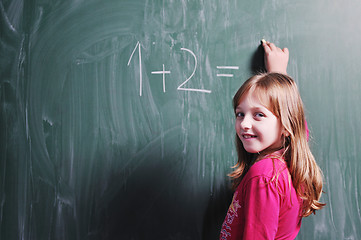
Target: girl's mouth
{"type": "Point", "coordinates": [248, 136]}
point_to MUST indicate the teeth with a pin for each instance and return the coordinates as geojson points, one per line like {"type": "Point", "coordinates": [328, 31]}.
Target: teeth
{"type": "Point", "coordinates": [248, 136]}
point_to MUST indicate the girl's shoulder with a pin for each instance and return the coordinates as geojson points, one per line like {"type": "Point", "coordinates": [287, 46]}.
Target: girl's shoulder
{"type": "Point", "coordinates": [267, 167]}
{"type": "Point", "coordinates": [268, 172]}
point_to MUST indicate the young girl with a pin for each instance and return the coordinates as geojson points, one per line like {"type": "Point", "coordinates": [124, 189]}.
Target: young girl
{"type": "Point", "coordinates": [276, 179]}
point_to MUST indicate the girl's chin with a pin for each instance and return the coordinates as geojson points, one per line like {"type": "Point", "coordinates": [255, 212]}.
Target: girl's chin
{"type": "Point", "coordinates": [252, 150]}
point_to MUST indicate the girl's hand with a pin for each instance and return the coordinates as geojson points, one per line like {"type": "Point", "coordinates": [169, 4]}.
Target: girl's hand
{"type": "Point", "coordinates": [276, 59]}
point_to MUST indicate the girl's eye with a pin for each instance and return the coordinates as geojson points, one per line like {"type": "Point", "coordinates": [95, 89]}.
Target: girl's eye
{"type": "Point", "coordinates": [259, 115]}
{"type": "Point", "coordinates": [239, 114]}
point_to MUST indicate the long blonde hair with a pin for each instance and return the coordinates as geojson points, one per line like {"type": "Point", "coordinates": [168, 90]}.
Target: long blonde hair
{"type": "Point", "coordinates": [279, 94]}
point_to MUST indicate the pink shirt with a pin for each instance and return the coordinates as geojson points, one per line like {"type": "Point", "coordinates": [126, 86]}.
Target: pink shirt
{"type": "Point", "coordinates": [261, 208]}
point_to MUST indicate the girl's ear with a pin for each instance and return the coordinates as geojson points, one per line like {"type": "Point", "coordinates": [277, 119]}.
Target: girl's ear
{"type": "Point", "coordinates": [285, 133]}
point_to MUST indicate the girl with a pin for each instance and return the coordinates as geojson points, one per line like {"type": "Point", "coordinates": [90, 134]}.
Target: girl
{"type": "Point", "coordinates": [276, 179]}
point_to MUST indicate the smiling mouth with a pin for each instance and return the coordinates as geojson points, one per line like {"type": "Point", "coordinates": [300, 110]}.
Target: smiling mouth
{"type": "Point", "coordinates": [248, 136]}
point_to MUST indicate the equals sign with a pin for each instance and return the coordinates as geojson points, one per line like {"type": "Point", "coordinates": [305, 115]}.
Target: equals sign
{"type": "Point", "coordinates": [226, 67]}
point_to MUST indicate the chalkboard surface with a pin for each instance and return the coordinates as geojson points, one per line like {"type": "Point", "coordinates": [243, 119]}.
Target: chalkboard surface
{"type": "Point", "coordinates": [116, 118]}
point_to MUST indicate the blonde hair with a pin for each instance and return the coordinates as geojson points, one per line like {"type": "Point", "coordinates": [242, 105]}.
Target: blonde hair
{"type": "Point", "coordinates": [279, 94]}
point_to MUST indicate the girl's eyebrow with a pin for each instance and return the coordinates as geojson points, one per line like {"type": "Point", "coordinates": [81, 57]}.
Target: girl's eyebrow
{"type": "Point", "coordinates": [253, 108]}
{"type": "Point", "coordinates": [259, 108]}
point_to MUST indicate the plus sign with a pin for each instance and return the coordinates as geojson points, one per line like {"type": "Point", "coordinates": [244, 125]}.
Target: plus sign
{"type": "Point", "coordinates": [163, 73]}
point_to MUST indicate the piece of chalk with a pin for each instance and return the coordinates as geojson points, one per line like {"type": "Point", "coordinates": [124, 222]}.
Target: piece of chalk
{"type": "Point", "coordinates": [263, 41]}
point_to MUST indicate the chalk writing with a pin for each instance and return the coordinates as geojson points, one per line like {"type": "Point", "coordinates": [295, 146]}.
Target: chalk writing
{"type": "Point", "coordinates": [226, 67]}
{"type": "Point", "coordinates": [181, 87]}
{"type": "Point", "coordinates": [140, 65]}
{"type": "Point", "coordinates": [163, 73]}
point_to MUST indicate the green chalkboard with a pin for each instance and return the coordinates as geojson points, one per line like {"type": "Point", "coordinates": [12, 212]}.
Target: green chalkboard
{"type": "Point", "coordinates": [116, 119]}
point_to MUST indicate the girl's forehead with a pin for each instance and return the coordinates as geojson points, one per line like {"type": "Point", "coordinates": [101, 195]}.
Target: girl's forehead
{"type": "Point", "coordinates": [251, 99]}
{"type": "Point", "coordinates": [255, 95]}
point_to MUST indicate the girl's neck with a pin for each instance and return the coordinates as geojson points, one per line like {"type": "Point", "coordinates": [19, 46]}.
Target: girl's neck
{"type": "Point", "coordinates": [276, 153]}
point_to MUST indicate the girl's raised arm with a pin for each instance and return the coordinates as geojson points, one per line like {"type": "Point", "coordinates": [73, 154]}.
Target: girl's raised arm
{"type": "Point", "coordinates": [276, 59]}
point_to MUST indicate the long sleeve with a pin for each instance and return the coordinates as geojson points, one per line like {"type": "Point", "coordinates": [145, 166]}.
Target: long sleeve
{"type": "Point", "coordinates": [265, 205]}
{"type": "Point", "coordinates": [261, 209]}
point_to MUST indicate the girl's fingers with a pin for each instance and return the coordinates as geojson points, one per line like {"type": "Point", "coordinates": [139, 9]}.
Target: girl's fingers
{"type": "Point", "coordinates": [275, 58]}
{"type": "Point", "coordinates": [266, 47]}
{"type": "Point", "coordinates": [269, 47]}
{"type": "Point", "coordinates": [285, 50]}
{"type": "Point", "coordinates": [272, 46]}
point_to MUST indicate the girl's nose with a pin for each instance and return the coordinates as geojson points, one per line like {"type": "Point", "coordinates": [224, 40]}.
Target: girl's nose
{"type": "Point", "coordinates": [246, 123]}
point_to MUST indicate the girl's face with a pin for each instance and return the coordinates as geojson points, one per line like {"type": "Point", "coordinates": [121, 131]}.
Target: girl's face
{"type": "Point", "coordinates": [257, 127]}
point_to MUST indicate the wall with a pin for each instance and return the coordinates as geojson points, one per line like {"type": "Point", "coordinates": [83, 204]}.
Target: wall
{"type": "Point", "coordinates": [116, 117]}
